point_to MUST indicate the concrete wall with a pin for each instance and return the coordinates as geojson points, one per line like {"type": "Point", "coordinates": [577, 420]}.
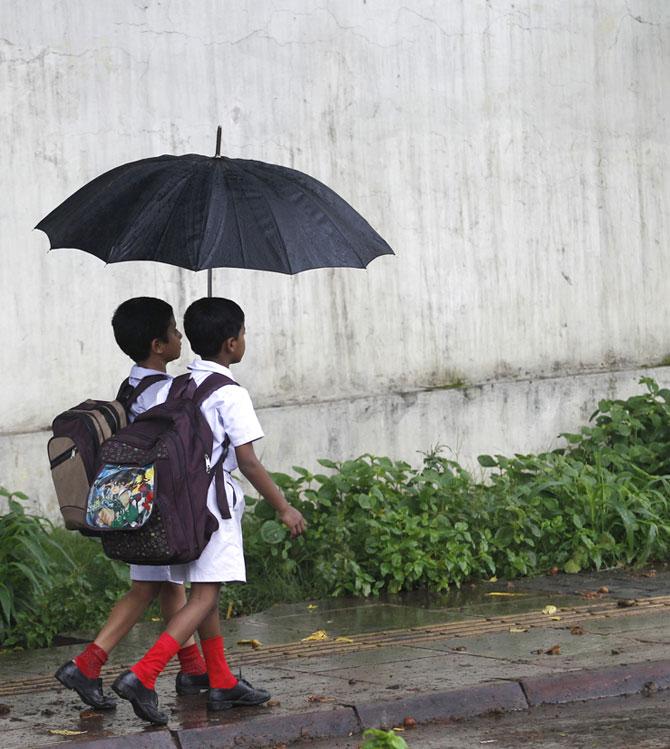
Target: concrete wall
{"type": "Point", "coordinates": [514, 153]}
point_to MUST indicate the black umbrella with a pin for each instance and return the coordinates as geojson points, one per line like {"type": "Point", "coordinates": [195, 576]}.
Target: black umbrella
{"type": "Point", "coordinates": [202, 212]}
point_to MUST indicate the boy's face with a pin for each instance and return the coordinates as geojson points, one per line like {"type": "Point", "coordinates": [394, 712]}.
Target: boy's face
{"type": "Point", "coordinates": [170, 349]}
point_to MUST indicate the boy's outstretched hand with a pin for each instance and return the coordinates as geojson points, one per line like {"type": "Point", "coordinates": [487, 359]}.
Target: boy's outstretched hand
{"type": "Point", "coordinates": [293, 520]}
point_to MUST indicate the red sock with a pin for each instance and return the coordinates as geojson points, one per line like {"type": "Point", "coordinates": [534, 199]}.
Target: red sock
{"type": "Point", "coordinates": [191, 661]}
{"type": "Point", "coordinates": [155, 660]}
{"type": "Point", "coordinates": [220, 675]}
{"type": "Point", "coordinates": [91, 660]}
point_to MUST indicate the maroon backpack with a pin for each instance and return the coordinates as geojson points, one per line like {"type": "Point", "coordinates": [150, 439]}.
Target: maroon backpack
{"type": "Point", "coordinates": [149, 498]}
{"type": "Point", "coordinates": [74, 448]}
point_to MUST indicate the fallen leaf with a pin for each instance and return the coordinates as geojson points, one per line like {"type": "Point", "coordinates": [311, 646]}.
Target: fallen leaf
{"type": "Point", "coordinates": [554, 650]}
{"type": "Point", "coordinates": [343, 639]}
{"type": "Point", "coordinates": [229, 611]}
{"type": "Point", "coordinates": [554, 571]}
{"type": "Point", "coordinates": [590, 594]}
{"type": "Point", "coordinates": [549, 610]}
{"type": "Point", "coordinates": [576, 630]}
{"type": "Point", "coordinates": [626, 603]}
{"type": "Point", "coordinates": [65, 732]}
{"type": "Point", "coordinates": [255, 644]}
{"type": "Point", "coordinates": [320, 698]}
{"type": "Point", "coordinates": [312, 606]}
{"type": "Point", "coordinates": [649, 573]}
{"type": "Point", "coordinates": [614, 651]}
{"type": "Point", "coordinates": [604, 589]}
{"type": "Point", "coordinates": [649, 688]}
{"type": "Point", "coordinates": [320, 634]}
{"type": "Point", "coordinates": [493, 579]}
{"type": "Point", "coordinates": [515, 630]}
{"type": "Point", "coordinates": [409, 722]}
{"type": "Point", "coordinates": [155, 618]}
{"type": "Point", "coordinates": [398, 728]}
{"type": "Point", "coordinates": [273, 703]}
{"type": "Point", "coordinates": [555, 618]}
{"type": "Point", "coordinates": [503, 594]}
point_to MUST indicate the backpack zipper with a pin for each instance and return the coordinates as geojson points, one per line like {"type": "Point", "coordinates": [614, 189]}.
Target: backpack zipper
{"type": "Point", "coordinates": [67, 455]}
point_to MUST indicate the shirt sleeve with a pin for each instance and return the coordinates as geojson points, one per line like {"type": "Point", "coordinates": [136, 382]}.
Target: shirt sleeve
{"type": "Point", "coordinates": [237, 416]}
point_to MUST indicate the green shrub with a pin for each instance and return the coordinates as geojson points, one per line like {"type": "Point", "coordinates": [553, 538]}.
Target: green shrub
{"type": "Point", "coordinates": [379, 525]}
{"type": "Point", "coordinates": [29, 556]}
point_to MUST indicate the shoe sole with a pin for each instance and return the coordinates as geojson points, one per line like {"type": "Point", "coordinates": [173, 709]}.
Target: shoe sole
{"type": "Point", "coordinates": [217, 706]}
{"type": "Point", "coordinates": [185, 691]}
{"type": "Point", "coordinates": [136, 709]}
{"type": "Point", "coordinates": [65, 681]}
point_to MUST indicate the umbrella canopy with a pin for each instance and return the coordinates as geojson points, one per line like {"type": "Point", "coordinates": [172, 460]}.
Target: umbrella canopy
{"type": "Point", "coordinates": [202, 212]}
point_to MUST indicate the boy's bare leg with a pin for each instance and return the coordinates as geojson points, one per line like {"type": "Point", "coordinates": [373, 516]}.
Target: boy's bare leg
{"type": "Point", "coordinates": [192, 676]}
{"type": "Point", "coordinates": [203, 600]}
{"type": "Point", "coordinates": [82, 673]}
{"type": "Point", "coordinates": [172, 599]}
{"type": "Point", "coordinates": [126, 613]}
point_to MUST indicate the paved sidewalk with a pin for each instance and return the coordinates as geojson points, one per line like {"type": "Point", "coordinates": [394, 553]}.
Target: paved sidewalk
{"type": "Point", "coordinates": [494, 647]}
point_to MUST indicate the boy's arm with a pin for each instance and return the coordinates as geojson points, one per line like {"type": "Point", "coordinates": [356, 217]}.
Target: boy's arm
{"type": "Point", "coordinates": [253, 470]}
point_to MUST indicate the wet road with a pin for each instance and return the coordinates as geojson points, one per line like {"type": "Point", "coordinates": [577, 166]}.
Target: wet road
{"type": "Point", "coordinates": [619, 723]}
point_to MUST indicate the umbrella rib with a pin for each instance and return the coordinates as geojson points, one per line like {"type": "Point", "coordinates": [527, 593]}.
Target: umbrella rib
{"type": "Point", "coordinates": [274, 222]}
{"type": "Point", "coordinates": [175, 205]}
{"type": "Point", "coordinates": [323, 208]}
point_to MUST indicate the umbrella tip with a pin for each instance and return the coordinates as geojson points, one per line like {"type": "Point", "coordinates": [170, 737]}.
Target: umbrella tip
{"type": "Point", "coordinates": [218, 142]}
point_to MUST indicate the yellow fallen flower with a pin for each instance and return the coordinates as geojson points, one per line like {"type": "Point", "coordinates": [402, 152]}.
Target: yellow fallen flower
{"type": "Point", "coordinates": [549, 610]}
{"type": "Point", "coordinates": [320, 634]}
{"type": "Point", "coordinates": [255, 644]}
{"type": "Point", "coordinates": [312, 606]}
{"type": "Point", "coordinates": [64, 732]}
{"type": "Point", "coordinates": [515, 630]}
{"type": "Point", "coordinates": [343, 639]}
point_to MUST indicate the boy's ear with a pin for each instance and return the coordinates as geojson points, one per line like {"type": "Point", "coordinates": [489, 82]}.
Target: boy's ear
{"type": "Point", "coordinates": [157, 346]}
{"type": "Point", "coordinates": [229, 345]}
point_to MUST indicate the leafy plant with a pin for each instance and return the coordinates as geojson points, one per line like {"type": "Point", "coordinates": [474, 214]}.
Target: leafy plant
{"type": "Point", "coordinates": [377, 739]}
{"type": "Point", "coordinates": [27, 553]}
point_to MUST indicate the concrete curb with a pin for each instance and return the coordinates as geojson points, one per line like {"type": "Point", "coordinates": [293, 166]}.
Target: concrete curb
{"type": "Point", "coordinates": [613, 681]}
{"type": "Point", "coordinates": [346, 720]}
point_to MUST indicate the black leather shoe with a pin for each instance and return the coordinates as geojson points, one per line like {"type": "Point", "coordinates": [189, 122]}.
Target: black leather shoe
{"type": "Point", "coordinates": [143, 700]}
{"type": "Point", "coordinates": [242, 694]}
{"type": "Point", "coordinates": [191, 683]}
{"type": "Point", "coordinates": [90, 690]}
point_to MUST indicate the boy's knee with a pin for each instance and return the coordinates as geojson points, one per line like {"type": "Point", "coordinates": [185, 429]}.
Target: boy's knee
{"type": "Point", "coordinates": [145, 590]}
{"type": "Point", "coordinates": [172, 593]}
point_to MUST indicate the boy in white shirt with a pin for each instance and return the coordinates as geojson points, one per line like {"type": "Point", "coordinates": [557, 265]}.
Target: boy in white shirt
{"type": "Point", "coordinates": [215, 330]}
{"type": "Point", "coordinates": [146, 331]}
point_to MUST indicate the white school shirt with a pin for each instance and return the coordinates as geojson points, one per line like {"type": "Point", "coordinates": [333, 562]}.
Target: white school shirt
{"type": "Point", "coordinates": [147, 572]}
{"type": "Point", "coordinates": [228, 410]}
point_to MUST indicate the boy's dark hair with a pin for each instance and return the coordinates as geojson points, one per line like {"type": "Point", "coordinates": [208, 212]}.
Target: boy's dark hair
{"type": "Point", "coordinates": [209, 322]}
{"type": "Point", "coordinates": [137, 322]}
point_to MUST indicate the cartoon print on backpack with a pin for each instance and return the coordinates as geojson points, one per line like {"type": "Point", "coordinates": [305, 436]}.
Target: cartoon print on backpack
{"type": "Point", "coordinates": [121, 497]}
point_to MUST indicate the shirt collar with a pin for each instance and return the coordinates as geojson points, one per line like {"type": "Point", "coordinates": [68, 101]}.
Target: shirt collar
{"type": "Point", "coordinates": [140, 373]}
{"type": "Point", "coordinates": [202, 365]}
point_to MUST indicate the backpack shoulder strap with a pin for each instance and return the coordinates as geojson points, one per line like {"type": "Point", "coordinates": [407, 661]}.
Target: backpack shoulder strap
{"type": "Point", "coordinates": [129, 397]}
{"type": "Point", "coordinates": [182, 387]}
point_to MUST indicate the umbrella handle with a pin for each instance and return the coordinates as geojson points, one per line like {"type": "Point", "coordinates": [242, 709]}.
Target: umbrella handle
{"type": "Point", "coordinates": [218, 142]}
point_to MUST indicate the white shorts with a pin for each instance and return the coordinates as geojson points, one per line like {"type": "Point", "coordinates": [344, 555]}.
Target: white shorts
{"type": "Point", "coordinates": [151, 573]}
{"type": "Point", "coordinates": [222, 560]}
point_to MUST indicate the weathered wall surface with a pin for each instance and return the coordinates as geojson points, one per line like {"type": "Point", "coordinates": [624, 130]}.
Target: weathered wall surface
{"type": "Point", "coordinates": [515, 154]}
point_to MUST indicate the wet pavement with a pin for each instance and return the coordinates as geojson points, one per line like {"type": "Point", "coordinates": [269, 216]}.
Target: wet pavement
{"type": "Point", "coordinates": [615, 723]}
{"type": "Point", "coordinates": [493, 646]}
